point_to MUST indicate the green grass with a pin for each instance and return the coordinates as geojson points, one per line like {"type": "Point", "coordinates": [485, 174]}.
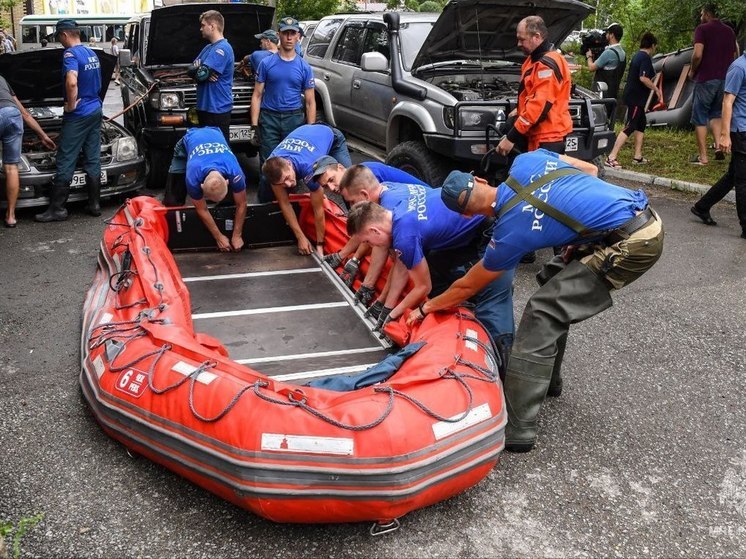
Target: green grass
{"type": "Point", "coordinates": [668, 152]}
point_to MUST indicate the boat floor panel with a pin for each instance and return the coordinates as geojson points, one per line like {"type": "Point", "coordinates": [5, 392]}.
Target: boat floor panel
{"type": "Point", "coordinates": [278, 313]}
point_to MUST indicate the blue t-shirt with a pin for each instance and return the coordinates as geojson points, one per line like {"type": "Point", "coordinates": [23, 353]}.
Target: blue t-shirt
{"type": "Point", "coordinates": [256, 58]}
{"type": "Point", "coordinates": [284, 82]}
{"type": "Point", "coordinates": [216, 97]}
{"type": "Point", "coordinates": [84, 61]}
{"type": "Point", "coordinates": [596, 204]}
{"type": "Point", "coordinates": [735, 84]}
{"type": "Point", "coordinates": [302, 147]}
{"type": "Point", "coordinates": [387, 173]}
{"type": "Point", "coordinates": [207, 151]}
{"type": "Point", "coordinates": [422, 222]}
{"type": "Point", "coordinates": [393, 193]}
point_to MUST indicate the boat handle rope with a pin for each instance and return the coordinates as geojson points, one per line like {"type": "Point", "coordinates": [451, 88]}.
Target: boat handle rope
{"type": "Point", "coordinates": [142, 301]}
{"type": "Point", "coordinates": [488, 350]}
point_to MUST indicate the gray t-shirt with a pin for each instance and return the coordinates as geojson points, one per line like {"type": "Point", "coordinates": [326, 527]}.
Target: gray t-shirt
{"type": "Point", "coordinates": [6, 94]}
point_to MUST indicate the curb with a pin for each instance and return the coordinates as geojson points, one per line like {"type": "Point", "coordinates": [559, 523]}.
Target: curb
{"type": "Point", "coordinates": [672, 184]}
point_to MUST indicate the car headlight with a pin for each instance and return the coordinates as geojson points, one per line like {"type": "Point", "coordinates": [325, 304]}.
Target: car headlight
{"type": "Point", "coordinates": [23, 164]}
{"type": "Point", "coordinates": [478, 119]}
{"type": "Point", "coordinates": [170, 101]}
{"type": "Point", "coordinates": [599, 115]}
{"type": "Point", "coordinates": [124, 149]}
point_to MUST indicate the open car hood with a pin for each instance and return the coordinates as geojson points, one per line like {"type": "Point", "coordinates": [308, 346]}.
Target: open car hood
{"type": "Point", "coordinates": [36, 75]}
{"type": "Point", "coordinates": [174, 36]}
{"type": "Point", "coordinates": [485, 29]}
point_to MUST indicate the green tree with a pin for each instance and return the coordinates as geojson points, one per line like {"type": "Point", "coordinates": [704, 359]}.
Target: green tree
{"type": "Point", "coordinates": [305, 9]}
{"type": "Point", "coordinates": [430, 6]}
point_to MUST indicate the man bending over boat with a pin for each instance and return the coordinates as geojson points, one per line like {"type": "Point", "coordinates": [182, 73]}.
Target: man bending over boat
{"type": "Point", "coordinates": [548, 200]}
{"type": "Point", "coordinates": [353, 187]}
{"type": "Point", "coordinates": [432, 246]}
{"type": "Point", "coordinates": [292, 160]}
{"type": "Point", "coordinates": [204, 167]}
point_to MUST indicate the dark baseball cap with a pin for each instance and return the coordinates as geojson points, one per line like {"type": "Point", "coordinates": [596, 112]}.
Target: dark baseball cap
{"type": "Point", "coordinates": [287, 23]}
{"type": "Point", "coordinates": [322, 164]}
{"type": "Point", "coordinates": [66, 25]}
{"type": "Point", "coordinates": [269, 34]}
{"type": "Point", "coordinates": [456, 183]}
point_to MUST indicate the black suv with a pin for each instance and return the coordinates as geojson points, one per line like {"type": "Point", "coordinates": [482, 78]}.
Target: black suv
{"type": "Point", "coordinates": [158, 49]}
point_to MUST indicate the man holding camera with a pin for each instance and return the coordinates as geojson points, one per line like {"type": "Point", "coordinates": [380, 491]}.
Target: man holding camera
{"type": "Point", "coordinates": [213, 72]}
{"type": "Point", "coordinates": [609, 66]}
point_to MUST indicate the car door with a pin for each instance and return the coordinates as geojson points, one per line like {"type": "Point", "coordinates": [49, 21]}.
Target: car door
{"type": "Point", "coordinates": [344, 61]}
{"type": "Point", "coordinates": [372, 90]}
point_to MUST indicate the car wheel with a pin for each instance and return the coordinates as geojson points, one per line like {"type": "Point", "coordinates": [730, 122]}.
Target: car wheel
{"type": "Point", "coordinates": [414, 158]}
{"type": "Point", "coordinates": [159, 161]}
{"type": "Point", "coordinates": [599, 163]}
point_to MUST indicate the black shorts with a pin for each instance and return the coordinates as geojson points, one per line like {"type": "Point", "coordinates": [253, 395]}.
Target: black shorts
{"type": "Point", "coordinates": [636, 120]}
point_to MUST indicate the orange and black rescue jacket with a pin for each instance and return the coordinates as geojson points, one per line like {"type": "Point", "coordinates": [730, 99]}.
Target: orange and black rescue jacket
{"type": "Point", "coordinates": [543, 99]}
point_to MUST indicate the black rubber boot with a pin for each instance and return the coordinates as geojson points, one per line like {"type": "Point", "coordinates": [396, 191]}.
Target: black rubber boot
{"type": "Point", "coordinates": [175, 191]}
{"type": "Point", "coordinates": [57, 200]}
{"type": "Point", "coordinates": [93, 185]}
{"type": "Point", "coordinates": [526, 384]}
{"type": "Point", "coordinates": [555, 385]}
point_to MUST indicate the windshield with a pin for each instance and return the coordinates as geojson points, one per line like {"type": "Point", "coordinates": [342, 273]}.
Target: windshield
{"type": "Point", "coordinates": [412, 36]}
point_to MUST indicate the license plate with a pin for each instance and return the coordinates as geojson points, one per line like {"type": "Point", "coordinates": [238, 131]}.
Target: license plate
{"type": "Point", "coordinates": [79, 179]}
{"type": "Point", "coordinates": [241, 133]}
{"type": "Point", "coordinates": [571, 144]}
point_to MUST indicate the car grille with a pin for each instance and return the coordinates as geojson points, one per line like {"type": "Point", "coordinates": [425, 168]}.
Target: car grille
{"type": "Point", "coordinates": [241, 97]}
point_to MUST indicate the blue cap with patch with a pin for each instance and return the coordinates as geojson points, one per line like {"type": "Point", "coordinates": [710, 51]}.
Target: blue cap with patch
{"type": "Point", "coordinates": [456, 183]}
{"type": "Point", "coordinates": [269, 34]}
{"type": "Point", "coordinates": [66, 25]}
{"type": "Point", "coordinates": [322, 164]}
{"type": "Point", "coordinates": [288, 23]}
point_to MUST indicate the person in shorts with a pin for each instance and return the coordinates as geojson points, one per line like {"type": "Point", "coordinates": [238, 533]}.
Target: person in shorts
{"type": "Point", "coordinates": [636, 92]}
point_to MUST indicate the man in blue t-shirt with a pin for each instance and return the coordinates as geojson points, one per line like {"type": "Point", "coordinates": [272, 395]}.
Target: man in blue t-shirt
{"type": "Point", "coordinates": [213, 72]}
{"type": "Point", "coordinates": [204, 168]}
{"type": "Point", "coordinates": [548, 201]}
{"type": "Point", "coordinates": [283, 91]}
{"type": "Point", "coordinates": [292, 160]}
{"type": "Point", "coordinates": [432, 247]}
{"type": "Point", "coordinates": [354, 185]}
{"type": "Point", "coordinates": [81, 124]}
{"type": "Point", "coordinates": [268, 41]}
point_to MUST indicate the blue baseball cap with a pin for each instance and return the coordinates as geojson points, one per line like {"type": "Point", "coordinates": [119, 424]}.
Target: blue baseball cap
{"type": "Point", "coordinates": [66, 25]}
{"type": "Point", "coordinates": [269, 34]}
{"type": "Point", "coordinates": [456, 183]}
{"type": "Point", "coordinates": [322, 164]}
{"type": "Point", "coordinates": [288, 23]}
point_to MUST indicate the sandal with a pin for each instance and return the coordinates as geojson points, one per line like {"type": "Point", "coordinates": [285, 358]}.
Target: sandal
{"type": "Point", "coordinates": [10, 224]}
{"type": "Point", "coordinates": [640, 160]}
{"type": "Point", "coordinates": [613, 163]}
{"type": "Point", "coordinates": [695, 160]}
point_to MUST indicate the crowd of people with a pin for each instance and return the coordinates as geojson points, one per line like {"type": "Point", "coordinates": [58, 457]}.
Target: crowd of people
{"type": "Point", "coordinates": [604, 236]}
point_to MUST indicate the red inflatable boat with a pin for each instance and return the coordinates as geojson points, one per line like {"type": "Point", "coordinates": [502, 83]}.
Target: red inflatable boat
{"type": "Point", "coordinates": [264, 440]}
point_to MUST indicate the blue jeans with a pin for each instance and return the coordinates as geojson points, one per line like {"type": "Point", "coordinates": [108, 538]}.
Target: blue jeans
{"type": "Point", "coordinates": [707, 102]}
{"type": "Point", "coordinates": [275, 127]}
{"type": "Point", "coordinates": [79, 133]}
{"type": "Point", "coordinates": [11, 134]}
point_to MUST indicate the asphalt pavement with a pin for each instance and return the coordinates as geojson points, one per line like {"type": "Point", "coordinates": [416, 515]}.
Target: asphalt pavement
{"type": "Point", "coordinates": [644, 454]}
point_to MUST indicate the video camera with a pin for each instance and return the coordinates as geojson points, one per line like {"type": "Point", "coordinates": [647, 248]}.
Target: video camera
{"type": "Point", "coordinates": [595, 41]}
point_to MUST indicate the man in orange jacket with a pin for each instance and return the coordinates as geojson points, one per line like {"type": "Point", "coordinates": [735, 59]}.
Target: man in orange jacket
{"type": "Point", "coordinates": [543, 115]}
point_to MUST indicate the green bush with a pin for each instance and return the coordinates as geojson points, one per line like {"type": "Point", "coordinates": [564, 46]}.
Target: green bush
{"type": "Point", "coordinates": [430, 6]}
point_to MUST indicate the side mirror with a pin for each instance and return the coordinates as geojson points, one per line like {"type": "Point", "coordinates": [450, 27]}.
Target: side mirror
{"type": "Point", "coordinates": [125, 58]}
{"type": "Point", "coordinates": [374, 62]}
{"type": "Point", "coordinates": [600, 87]}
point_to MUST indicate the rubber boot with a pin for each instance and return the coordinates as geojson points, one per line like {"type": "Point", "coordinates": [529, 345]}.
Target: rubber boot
{"type": "Point", "coordinates": [57, 200]}
{"type": "Point", "coordinates": [555, 385]}
{"type": "Point", "coordinates": [93, 185]}
{"type": "Point", "coordinates": [526, 384]}
{"type": "Point", "coordinates": [175, 191]}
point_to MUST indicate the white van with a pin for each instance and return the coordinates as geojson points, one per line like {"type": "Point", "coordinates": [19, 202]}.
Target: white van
{"type": "Point", "coordinates": [95, 30]}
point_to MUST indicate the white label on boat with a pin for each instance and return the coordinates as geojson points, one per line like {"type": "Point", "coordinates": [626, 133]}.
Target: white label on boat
{"type": "Point", "coordinates": [98, 365]}
{"type": "Point", "coordinates": [442, 429]}
{"type": "Point", "coordinates": [106, 318]}
{"type": "Point", "coordinates": [229, 225]}
{"type": "Point", "coordinates": [186, 369]}
{"type": "Point", "coordinates": [303, 443]}
{"type": "Point", "coordinates": [471, 334]}
{"type": "Point", "coordinates": [177, 215]}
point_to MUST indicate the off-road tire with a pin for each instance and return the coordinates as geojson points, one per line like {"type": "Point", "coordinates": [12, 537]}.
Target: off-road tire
{"type": "Point", "coordinates": [414, 158]}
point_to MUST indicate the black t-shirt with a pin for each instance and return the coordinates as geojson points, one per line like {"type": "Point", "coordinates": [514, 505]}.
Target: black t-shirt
{"type": "Point", "coordinates": [6, 94]}
{"type": "Point", "coordinates": [635, 92]}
